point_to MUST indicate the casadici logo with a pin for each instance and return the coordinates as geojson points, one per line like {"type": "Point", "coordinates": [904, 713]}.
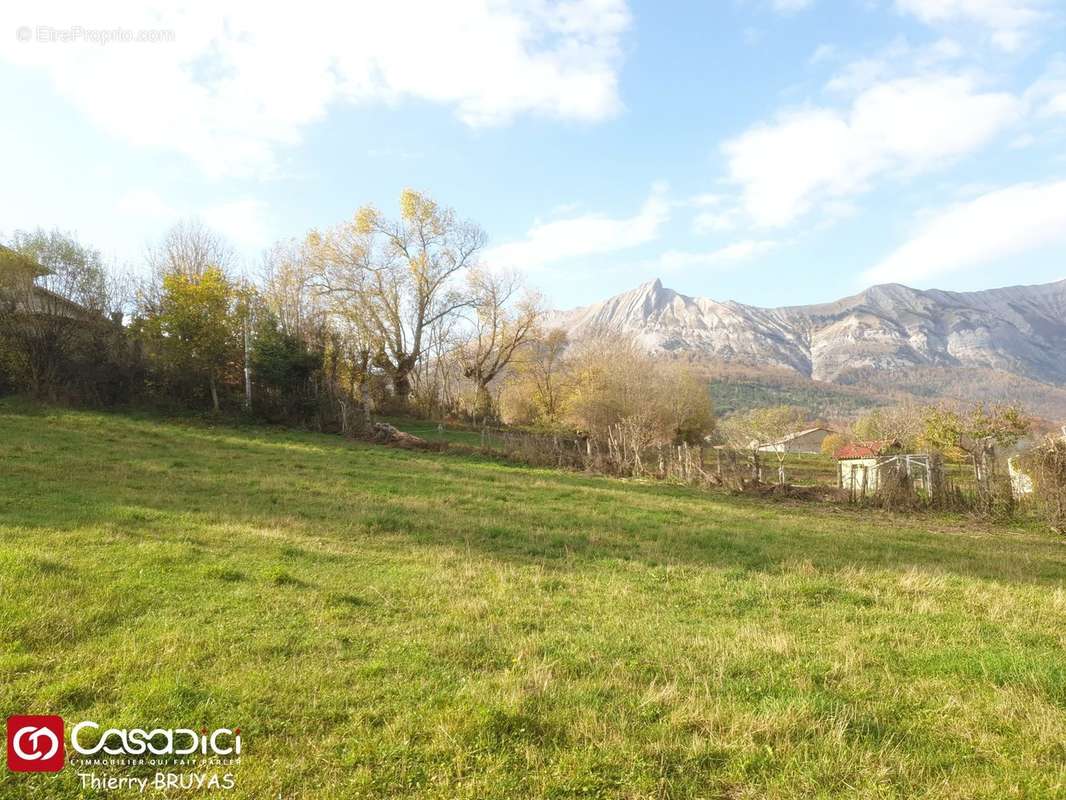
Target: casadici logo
{"type": "Point", "coordinates": [35, 743]}
{"type": "Point", "coordinates": [183, 758]}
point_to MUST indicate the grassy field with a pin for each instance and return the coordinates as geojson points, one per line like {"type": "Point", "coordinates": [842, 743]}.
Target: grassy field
{"type": "Point", "coordinates": [384, 623]}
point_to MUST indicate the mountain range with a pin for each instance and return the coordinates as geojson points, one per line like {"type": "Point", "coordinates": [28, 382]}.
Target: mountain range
{"type": "Point", "coordinates": [926, 341]}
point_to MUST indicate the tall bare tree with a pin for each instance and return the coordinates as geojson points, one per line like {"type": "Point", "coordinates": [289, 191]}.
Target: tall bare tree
{"type": "Point", "coordinates": [189, 248]}
{"type": "Point", "coordinates": [289, 292]}
{"type": "Point", "coordinates": [438, 379]}
{"type": "Point", "coordinates": [395, 277]}
{"type": "Point", "coordinates": [539, 383]}
{"type": "Point", "coordinates": [503, 318]}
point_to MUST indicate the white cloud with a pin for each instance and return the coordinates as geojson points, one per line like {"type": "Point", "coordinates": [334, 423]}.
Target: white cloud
{"type": "Point", "coordinates": [587, 235]}
{"type": "Point", "coordinates": [891, 61]}
{"type": "Point", "coordinates": [1048, 94]}
{"type": "Point", "coordinates": [1056, 106]}
{"type": "Point", "coordinates": [995, 226]}
{"type": "Point", "coordinates": [1009, 23]}
{"type": "Point", "coordinates": [813, 155]}
{"type": "Point", "coordinates": [731, 254]}
{"type": "Point", "coordinates": [824, 52]}
{"type": "Point", "coordinates": [242, 79]}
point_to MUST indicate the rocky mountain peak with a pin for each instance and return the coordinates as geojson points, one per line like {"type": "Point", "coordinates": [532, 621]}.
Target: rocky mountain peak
{"type": "Point", "coordinates": [1019, 330]}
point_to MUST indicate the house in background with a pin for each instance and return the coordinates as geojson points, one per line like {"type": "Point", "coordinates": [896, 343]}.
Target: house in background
{"type": "Point", "coordinates": [808, 441]}
{"type": "Point", "coordinates": [21, 294]}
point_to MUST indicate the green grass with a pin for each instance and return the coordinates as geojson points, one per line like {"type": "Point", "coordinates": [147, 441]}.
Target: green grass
{"type": "Point", "coordinates": [804, 468]}
{"type": "Point", "coordinates": [386, 623]}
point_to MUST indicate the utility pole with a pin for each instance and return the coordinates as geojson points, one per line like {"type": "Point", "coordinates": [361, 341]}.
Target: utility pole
{"type": "Point", "coordinates": [247, 352]}
{"type": "Point", "coordinates": [247, 369]}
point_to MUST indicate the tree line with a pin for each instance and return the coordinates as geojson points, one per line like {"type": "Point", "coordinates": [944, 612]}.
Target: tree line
{"type": "Point", "coordinates": [390, 314]}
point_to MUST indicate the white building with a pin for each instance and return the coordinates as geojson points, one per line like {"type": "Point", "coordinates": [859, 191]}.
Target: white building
{"type": "Point", "coordinates": [863, 466]}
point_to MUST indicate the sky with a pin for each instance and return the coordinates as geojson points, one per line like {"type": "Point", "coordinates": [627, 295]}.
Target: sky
{"type": "Point", "coordinates": [773, 152]}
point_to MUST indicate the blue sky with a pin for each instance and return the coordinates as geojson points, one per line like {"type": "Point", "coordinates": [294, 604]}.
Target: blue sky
{"type": "Point", "coordinates": [768, 151]}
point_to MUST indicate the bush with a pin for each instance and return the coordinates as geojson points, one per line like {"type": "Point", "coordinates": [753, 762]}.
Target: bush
{"type": "Point", "coordinates": [1046, 465]}
{"type": "Point", "coordinates": [615, 384]}
{"type": "Point", "coordinates": [7, 376]}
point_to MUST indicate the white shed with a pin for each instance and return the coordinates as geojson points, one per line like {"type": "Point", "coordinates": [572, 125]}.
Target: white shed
{"type": "Point", "coordinates": [863, 465]}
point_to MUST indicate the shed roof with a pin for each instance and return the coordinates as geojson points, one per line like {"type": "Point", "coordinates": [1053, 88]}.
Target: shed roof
{"type": "Point", "coordinates": [793, 436]}
{"type": "Point", "coordinates": [865, 449]}
{"type": "Point", "coordinates": [798, 434]}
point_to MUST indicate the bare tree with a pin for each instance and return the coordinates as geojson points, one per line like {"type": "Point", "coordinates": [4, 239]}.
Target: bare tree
{"type": "Point", "coordinates": [539, 382]}
{"type": "Point", "coordinates": [438, 378]}
{"type": "Point", "coordinates": [613, 381]}
{"type": "Point", "coordinates": [762, 430]}
{"type": "Point", "coordinates": [686, 399]}
{"type": "Point", "coordinates": [289, 292]}
{"type": "Point", "coordinates": [394, 278]}
{"type": "Point", "coordinates": [901, 423]}
{"type": "Point", "coordinates": [608, 381]}
{"type": "Point", "coordinates": [503, 318]}
{"type": "Point", "coordinates": [189, 248]}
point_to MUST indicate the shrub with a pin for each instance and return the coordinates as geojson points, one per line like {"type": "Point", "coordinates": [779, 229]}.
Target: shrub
{"type": "Point", "coordinates": [1046, 465]}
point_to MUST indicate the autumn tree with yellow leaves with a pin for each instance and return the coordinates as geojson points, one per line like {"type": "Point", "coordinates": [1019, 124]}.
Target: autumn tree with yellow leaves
{"type": "Point", "coordinates": [394, 278]}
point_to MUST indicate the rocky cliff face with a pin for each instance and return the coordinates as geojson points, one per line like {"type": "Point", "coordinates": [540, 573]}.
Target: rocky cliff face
{"type": "Point", "coordinates": [1020, 330]}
